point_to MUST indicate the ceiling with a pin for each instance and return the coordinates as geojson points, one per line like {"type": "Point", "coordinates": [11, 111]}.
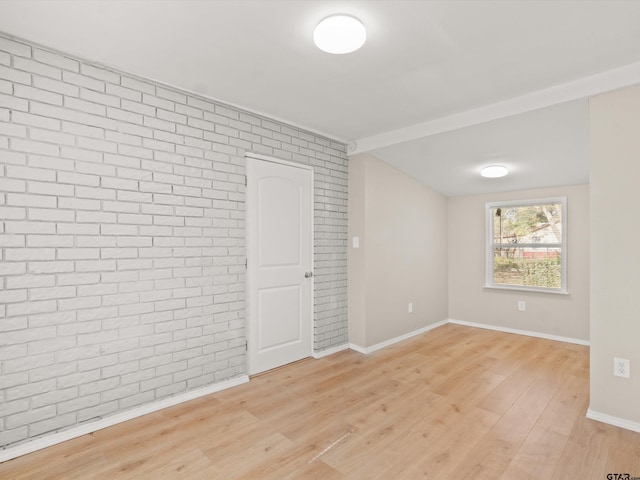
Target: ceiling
{"type": "Point", "coordinates": [439, 89]}
{"type": "Point", "coordinates": [545, 147]}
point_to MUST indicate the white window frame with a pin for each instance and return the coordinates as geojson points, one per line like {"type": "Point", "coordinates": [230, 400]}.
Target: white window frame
{"type": "Point", "coordinates": [489, 245]}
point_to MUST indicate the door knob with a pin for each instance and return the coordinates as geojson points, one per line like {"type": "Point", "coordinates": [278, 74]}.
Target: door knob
{"type": "Point", "coordinates": [308, 274]}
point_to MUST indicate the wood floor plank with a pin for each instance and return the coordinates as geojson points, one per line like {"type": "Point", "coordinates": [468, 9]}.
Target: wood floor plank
{"type": "Point", "coordinates": [570, 402]}
{"type": "Point", "coordinates": [499, 446]}
{"type": "Point", "coordinates": [77, 452]}
{"type": "Point", "coordinates": [315, 471]}
{"type": "Point", "coordinates": [455, 402]}
{"type": "Point", "coordinates": [187, 465]}
{"type": "Point", "coordinates": [447, 443]}
{"type": "Point", "coordinates": [79, 466]}
{"type": "Point", "coordinates": [585, 453]}
{"type": "Point", "coordinates": [538, 456]}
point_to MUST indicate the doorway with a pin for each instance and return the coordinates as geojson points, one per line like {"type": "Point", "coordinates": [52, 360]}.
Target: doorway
{"type": "Point", "coordinates": [279, 262]}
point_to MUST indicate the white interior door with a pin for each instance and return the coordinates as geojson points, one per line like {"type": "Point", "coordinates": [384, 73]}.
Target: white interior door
{"type": "Point", "coordinates": [279, 263]}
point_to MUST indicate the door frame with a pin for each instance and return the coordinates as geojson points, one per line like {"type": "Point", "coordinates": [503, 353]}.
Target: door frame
{"type": "Point", "coordinates": [249, 206]}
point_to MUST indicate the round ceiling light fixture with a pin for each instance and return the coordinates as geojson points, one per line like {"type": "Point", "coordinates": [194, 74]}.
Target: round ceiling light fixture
{"type": "Point", "coordinates": [339, 34]}
{"type": "Point", "coordinates": [494, 171]}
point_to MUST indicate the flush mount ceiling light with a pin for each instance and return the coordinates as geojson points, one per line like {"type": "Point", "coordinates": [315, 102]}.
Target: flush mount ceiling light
{"type": "Point", "coordinates": [339, 34]}
{"type": "Point", "coordinates": [494, 171]}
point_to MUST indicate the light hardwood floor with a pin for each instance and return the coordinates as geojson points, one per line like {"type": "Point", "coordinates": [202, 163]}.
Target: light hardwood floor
{"type": "Point", "coordinates": [454, 403]}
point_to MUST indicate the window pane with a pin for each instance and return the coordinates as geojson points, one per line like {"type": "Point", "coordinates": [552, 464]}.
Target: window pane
{"type": "Point", "coordinates": [529, 267]}
{"type": "Point", "coordinates": [527, 224]}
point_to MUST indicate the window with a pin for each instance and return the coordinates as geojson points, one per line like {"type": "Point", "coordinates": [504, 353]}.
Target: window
{"type": "Point", "coordinates": [526, 245]}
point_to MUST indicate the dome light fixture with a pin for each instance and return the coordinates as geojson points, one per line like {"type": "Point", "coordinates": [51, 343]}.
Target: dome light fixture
{"type": "Point", "coordinates": [494, 171]}
{"type": "Point", "coordinates": [339, 34]}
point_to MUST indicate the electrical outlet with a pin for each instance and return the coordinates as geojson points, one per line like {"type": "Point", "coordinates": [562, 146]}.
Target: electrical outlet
{"type": "Point", "coordinates": [522, 305]}
{"type": "Point", "coordinates": [621, 367]}
{"type": "Point", "coordinates": [410, 307]}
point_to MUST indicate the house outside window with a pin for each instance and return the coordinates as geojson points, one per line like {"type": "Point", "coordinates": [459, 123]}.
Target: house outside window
{"type": "Point", "coordinates": [527, 245]}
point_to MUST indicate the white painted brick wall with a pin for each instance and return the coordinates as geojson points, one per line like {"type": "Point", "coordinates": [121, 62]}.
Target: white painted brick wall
{"type": "Point", "coordinates": [122, 239]}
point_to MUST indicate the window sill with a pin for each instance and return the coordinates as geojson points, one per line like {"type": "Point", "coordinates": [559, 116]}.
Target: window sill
{"type": "Point", "coordinates": [527, 289]}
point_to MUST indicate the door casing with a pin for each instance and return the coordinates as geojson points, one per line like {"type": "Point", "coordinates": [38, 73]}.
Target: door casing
{"type": "Point", "coordinates": [251, 261]}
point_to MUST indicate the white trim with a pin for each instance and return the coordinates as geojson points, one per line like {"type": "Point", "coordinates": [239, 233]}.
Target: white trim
{"type": "Point", "coordinates": [526, 289]}
{"type": "Point", "coordinates": [386, 343]}
{"type": "Point", "coordinates": [266, 158]}
{"type": "Point", "coordinates": [330, 351]}
{"type": "Point", "coordinates": [109, 421]}
{"type": "Point", "coordinates": [528, 333]}
{"type": "Point", "coordinates": [249, 271]}
{"type": "Point", "coordinates": [615, 421]}
{"type": "Point", "coordinates": [490, 245]}
{"type": "Point", "coordinates": [582, 88]}
{"type": "Point", "coordinates": [358, 348]}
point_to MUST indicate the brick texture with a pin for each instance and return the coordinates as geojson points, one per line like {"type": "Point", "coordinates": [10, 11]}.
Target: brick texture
{"type": "Point", "coordinates": [122, 239]}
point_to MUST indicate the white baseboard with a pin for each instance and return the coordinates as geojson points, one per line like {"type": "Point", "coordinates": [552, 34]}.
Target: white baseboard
{"type": "Point", "coordinates": [86, 428]}
{"type": "Point", "coordinates": [615, 421]}
{"type": "Point", "coordinates": [521, 332]}
{"type": "Point", "coordinates": [358, 348]}
{"type": "Point", "coordinates": [330, 351]}
{"type": "Point", "coordinates": [386, 343]}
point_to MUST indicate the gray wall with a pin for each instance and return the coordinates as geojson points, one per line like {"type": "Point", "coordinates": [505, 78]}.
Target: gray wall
{"type": "Point", "coordinates": [122, 239]}
{"type": "Point", "coordinates": [402, 225]}
{"type": "Point", "coordinates": [421, 247]}
{"type": "Point", "coordinates": [615, 258]}
{"type": "Point", "coordinates": [547, 313]}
